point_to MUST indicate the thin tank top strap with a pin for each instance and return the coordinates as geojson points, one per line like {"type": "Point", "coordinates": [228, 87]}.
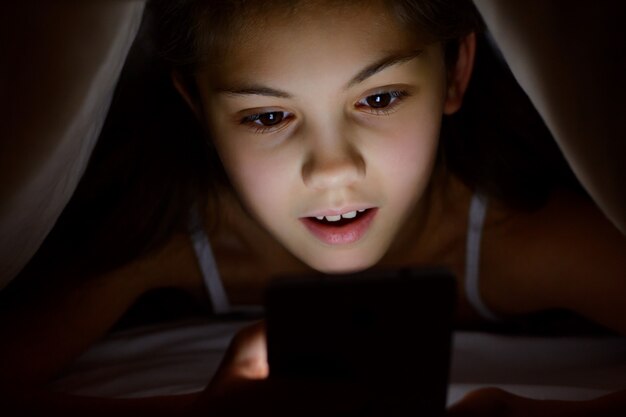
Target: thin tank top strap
{"type": "Point", "coordinates": [477, 212]}
{"type": "Point", "coordinates": [208, 267]}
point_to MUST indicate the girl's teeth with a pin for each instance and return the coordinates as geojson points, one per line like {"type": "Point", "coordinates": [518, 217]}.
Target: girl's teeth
{"type": "Point", "coordinates": [336, 218]}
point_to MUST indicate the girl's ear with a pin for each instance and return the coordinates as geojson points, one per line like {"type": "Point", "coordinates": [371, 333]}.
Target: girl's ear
{"type": "Point", "coordinates": [459, 75]}
{"type": "Point", "coordinates": [185, 90]}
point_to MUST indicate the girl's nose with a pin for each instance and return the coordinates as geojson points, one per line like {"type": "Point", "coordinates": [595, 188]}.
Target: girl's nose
{"type": "Point", "coordinates": [333, 164]}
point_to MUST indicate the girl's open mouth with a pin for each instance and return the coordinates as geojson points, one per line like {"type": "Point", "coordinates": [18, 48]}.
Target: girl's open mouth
{"type": "Point", "coordinates": [341, 229]}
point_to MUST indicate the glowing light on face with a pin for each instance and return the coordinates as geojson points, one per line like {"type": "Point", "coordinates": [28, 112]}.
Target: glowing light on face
{"type": "Point", "coordinates": [328, 126]}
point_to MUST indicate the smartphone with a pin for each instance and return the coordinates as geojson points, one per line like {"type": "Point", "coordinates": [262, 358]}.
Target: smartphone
{"type": "Point", "coordinates": [389, 330]}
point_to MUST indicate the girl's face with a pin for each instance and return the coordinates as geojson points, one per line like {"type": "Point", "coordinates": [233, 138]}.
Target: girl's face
{"type": "Point", "coordinates": [327, 124]}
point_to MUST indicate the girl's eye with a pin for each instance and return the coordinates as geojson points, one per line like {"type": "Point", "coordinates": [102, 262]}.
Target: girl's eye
{"type": "Point", "coordinates": [382, 102]}
{"type": "Point", "coordinates": [379, 101]}
{"type": "Point", "coordinates": [270, 119]}
{"type": "Point", "coordinates": [266, 121]}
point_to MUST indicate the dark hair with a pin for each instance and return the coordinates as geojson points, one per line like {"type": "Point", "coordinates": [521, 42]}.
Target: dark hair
{"type": "Point", "coordinates": [152, 164]}
{"type": "Point", "coordinates": [497, 143]}
{"type": "Point", "coordinates": [191, 33]}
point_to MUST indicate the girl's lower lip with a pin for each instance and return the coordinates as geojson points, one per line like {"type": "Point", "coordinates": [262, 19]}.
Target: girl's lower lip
{"type": "Point", "coordinates": [341, 235]}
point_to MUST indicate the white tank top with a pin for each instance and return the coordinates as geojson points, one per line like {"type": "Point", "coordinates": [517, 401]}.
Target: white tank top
{"type": "Point", "coordinates": [476, 219]}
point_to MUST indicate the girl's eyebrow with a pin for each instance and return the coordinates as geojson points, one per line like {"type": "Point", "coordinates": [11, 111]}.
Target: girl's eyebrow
{"type": "Point", "coordinates": [381, 64]}
{"type": "Point", "coordinates": [365, 73]}
{"type": "Point", "coordinates": [254, 90]}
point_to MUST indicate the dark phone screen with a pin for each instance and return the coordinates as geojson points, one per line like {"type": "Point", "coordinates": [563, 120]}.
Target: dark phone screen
{"type": "Point", "coordinates": [389, 331]}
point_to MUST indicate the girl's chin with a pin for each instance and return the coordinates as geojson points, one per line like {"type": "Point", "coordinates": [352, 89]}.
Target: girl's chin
{"type": "Point", "coordinates": [340, 263]}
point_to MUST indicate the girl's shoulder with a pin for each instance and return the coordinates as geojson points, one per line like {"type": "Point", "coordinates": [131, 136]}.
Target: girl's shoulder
{"type": "Point", "coordinates": [563, 255]}
{"type": "Point", "coordinates": [247, 256]}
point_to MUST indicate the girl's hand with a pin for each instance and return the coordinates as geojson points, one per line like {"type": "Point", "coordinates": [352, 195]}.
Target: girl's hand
{"type": "Point", "coordinates": [497, 403]}
{"type": "Point", "coordinates": [494, 402]}
{"type": "Point", "coordinates": [242, 387]}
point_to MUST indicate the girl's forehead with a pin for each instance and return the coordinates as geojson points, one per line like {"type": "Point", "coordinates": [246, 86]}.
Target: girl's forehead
{"type": "Point", "coordinates": [268, 14]}
{"type": "Point", "coordinates": [316, 35]}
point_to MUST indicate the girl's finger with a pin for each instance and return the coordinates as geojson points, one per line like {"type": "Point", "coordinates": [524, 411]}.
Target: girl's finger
{"type": "Point", "coordinates": [246, 357]}
{"type": "Point", "coordinates": [490, 402]}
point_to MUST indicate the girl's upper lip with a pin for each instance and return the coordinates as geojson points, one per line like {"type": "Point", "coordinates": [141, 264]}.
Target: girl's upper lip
{"type": "Point", "coordinates": [335, 212]}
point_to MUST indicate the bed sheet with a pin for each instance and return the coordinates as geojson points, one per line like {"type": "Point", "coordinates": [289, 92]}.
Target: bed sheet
{"type": "Point", "coordinates": [180, 357]}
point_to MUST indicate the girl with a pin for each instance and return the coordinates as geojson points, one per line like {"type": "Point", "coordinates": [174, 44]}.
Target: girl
{"type": "Point", "coordinates": [326, 119]}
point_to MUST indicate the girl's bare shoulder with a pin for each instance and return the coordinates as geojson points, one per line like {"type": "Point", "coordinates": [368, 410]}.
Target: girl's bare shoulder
{"type": "Point", "coordinates": [563, 255]}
